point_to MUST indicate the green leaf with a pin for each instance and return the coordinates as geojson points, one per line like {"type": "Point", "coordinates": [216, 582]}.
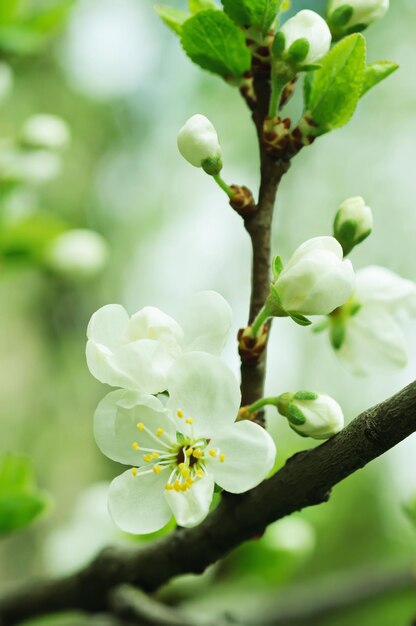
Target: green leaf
{"type": "Point", "coordinates": [295, 415]}
{"type": "Point", "coordinates": [277, 266]}
{"type": "Point", "coordinates": [20, 500]}
{"type": "Point", "coordinates": [257, 13]}
{"type": "Point", "coordinates": [376, 72]}
{"type": "Point", "coordinates": [213, 42]}
{"type": "Point", "coordinates": [337, 86]}
{"type": "Point", "coordinates": [195, 6]}
{"type": "Point", "coordinates": [172, 17]}
{"type": "Point", "coordinates": [337, 335]}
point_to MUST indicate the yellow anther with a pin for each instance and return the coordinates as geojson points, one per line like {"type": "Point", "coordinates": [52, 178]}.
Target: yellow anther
{"type": "Point", "coordinates": [188, 421]}
{"type": "Point", "coordinates": [212, 453]}
{"type": "Point", "coordinates": [169, 487]}
{"type": "Point", "coordinates": [155, 455]}
{"type": "Point", "coordinates": [185, 472]}
{"type": "Point", "coordinates": [176, 485]}
{"type": "Point", "coordinates": [198, 454]}
{"type": "Point", "coordinates": [157, 469]}
{"type": "Point", "coordinates": [159, 432]}
{"type": "Point", "coordinates": [200, 473]}
{"type": "Point", "coordinates": [182, 465]}
{"type": "Point", "coordinates": [222, 458]}
{"type": "Point", "coordinates": [140, 426]}
{"type": "Point", "coordinates": [183, 487]}
{"type": "Point", "coordinates": [189, 452]}
{"type": "Point", "coordinates": [135, 445]}
{"type": "Point", "coordinates": [147, 458]}
{"type": "Point", "coordinates": [189, 482]}
{"type": "Point", "coordinates": [134, 471]}
{"type": "Point", "coordinates": [179, 413]}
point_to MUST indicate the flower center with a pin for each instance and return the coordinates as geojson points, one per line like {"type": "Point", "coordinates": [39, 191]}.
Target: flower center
{"type": "Point", "coordinates": [184, 456]}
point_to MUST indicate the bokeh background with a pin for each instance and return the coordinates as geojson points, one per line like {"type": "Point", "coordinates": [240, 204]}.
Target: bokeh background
{"type": "Point", "coordinates": [119, 78]}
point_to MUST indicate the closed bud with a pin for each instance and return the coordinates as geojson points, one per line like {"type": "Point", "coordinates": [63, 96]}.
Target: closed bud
{"type": "Point", "coordinates": [198, 144]}
{"type": "Point", "coordinates": [78, 253]}
{"type": "Point", "coordinates": [351, 14]}
{"type": "Point", "coordinates": [307, 38]}
{"type": "Point", "coordinates": [315, 281]}
{"type": "Point", "coordinates": [353, 223]}
{"type": "Point", "coordinates": [311, 414]}
{"type": "Point", "coordinates": [46, 131]}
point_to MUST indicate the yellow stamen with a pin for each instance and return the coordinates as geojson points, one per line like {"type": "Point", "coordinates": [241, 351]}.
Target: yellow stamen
{"type": "Point", "coordinates": [159, 432]}
{"type": "Point", "coordinates": [169, 486]}
{"type": "Point", "coordinates": [147, 458]}
{"type": "Point", "coordinates": [140, 426]}
{"type": "Point", "coordinates": [222, 458]}
{"type": "Point", "coordinates": [134, 471]}
{"type": "Point", "coordinates": [176, 485]}
{"type": "Point", "coordinates": [198, 454]}
{"type": "Point", "coordinates": [183, 487]}
{"type": "Point", "coordinates": [179, 413]}
{"type": "Point", "coordinates": [135, 445]}
{"type": "Point", "coordinates": [189, 452]}
{"type": "Point", "coordinates": [188, 421]}
{"type": "Point", "coordinates": [157, 469]}
{"type": "Point", "coordinates": [189, 482]}
{"type": "Point", "coordinates": [155, 455]}
{"type": "Point", "coordinates": [212, 453]}
{"type": "Point", "coordinates": [185, 472]}
{"type": "Point", "coordinates": [200, 473]}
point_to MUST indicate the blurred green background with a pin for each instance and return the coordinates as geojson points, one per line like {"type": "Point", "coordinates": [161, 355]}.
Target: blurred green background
{"type": "Point", "coordinates": [120, 80]}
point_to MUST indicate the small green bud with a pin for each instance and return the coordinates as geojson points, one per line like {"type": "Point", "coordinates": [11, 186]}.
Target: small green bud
{"type": "Point", "coordinates": [212, 166]}
{"type": "Point", "coordinates": [353, 223]}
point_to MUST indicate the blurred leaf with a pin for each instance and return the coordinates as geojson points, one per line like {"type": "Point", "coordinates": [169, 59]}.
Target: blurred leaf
{"type": "Point", "coordinates": [172, 17]}
{"type": "Point", "coordinates": [26, 239]}
{"type": "Point", "coordinates": [257, 13]}
{"type": "Point", "coordinates": [337, 86]}
{"type": "Point", "coordinates": [20, 500]}
{"type": "Point", "coordinates": [195, 6]}
{"type": "Point", "coordinates": [214, 43]}
{"type": "Point", "coordinates": [376, 72]}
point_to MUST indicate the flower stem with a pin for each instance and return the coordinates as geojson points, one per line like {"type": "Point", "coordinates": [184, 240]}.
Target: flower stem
{"type": "Point", "coordinates": [261, 318]}
{"type": "Point", "coordinates": [256, 406]}
{"type": "Point", "coordinates": [221, 183]}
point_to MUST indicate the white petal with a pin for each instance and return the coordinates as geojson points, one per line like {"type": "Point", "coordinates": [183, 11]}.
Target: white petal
{"type": "Point", "coordinates": [249, 453]}
{"type": "Point", "coordinates": [377, 284]}
{"type": "Point", "coordinates": [115, 425]}
{"type": "Point", "coordinates": [151, 323]}
{"type": "Point", "coordinates": [103, 368]}
{"type": "Point", "coordinates": [206, 322]}
{"type": "Point", "coordinates": [308, 25]}
{"type": "Point", "coordinates": [198, 140]}
{"type": "Point", "coordinates": [107, 325]}
{"type": "Point", "coordinates": [374, 343]}
{"type": "Point", "coordinates": [192, 506]}
{"type": "Point", "coordinates": [137, 503]}
{"type": "Point", "coordinates": [145, 363]}
{"type": "Point", "coordinates": [328, 244]}
{"type": "Point", "coordinates": [207, 392]}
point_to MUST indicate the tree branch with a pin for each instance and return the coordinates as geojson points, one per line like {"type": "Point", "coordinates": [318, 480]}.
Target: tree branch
{"type": "Point", "coordinates": [305, 480]}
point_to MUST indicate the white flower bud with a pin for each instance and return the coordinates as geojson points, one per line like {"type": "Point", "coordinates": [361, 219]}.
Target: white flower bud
{"type": "Point", "coordinates": [78, 253]}
{"type": "Point", "coordinates": [353, 223]}
{"type": "Point", "coordinates": [322, 417]}
{"type": "Point", "coordinates": [198, 144]}
{"type": "Point", "coordinates": [316, 280]}
{"type": "Point", "coordinates": [310, 26]}
{"type": "Point", "coordinates": [364, 12]}
{"type": "Point", "coordinates": [46, 131]}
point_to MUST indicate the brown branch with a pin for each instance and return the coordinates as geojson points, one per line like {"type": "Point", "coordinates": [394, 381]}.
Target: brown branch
{"type": "Point", "coordinates": [305, 480]}
{"type": "Point", "coordinates": [259, 227]}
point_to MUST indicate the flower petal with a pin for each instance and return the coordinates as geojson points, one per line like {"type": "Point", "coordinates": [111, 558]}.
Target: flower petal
{"type": "Point", "coordinates": [190, 507]}
{"type": "Point", "coordinates": [207, 392]}
{"type": "Point", "coordinates": [249, 455]}
{"type": "Point", "coordinates": [327, 244]}
{"type": "Point", "coordinates": [151, 323]}
{"type": "Point", "coordinates": [145, 362]}
{"type": "Point", "coordinates": [377, 284]}
{"type": "Point", "coordinates": [374, 343]}
{"type": "Point", "coordinates": [108, 324]}
{"type": "Point", "coordinates": [206, 322]}
{"type": "Point", "coordinates": [137, 503]}
{"type": "Point", "coordinates": [115, 425]}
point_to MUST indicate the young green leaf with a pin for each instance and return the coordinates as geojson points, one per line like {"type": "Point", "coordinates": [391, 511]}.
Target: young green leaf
{"type": "Point", "coordinates": [376, 72]}
{"type": "Point", "coordinates": [336, 87]}
{"type": "Point", "coordinates": [257, 13]}
{"type": "Point", "coordinates": [213, 41]}
{"type": "Point", "coordinates": [172, 17]}
{"type": "Point", "coordinates": [195, 6]}
{"type": "Point", "coordinates": [20, 500]}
